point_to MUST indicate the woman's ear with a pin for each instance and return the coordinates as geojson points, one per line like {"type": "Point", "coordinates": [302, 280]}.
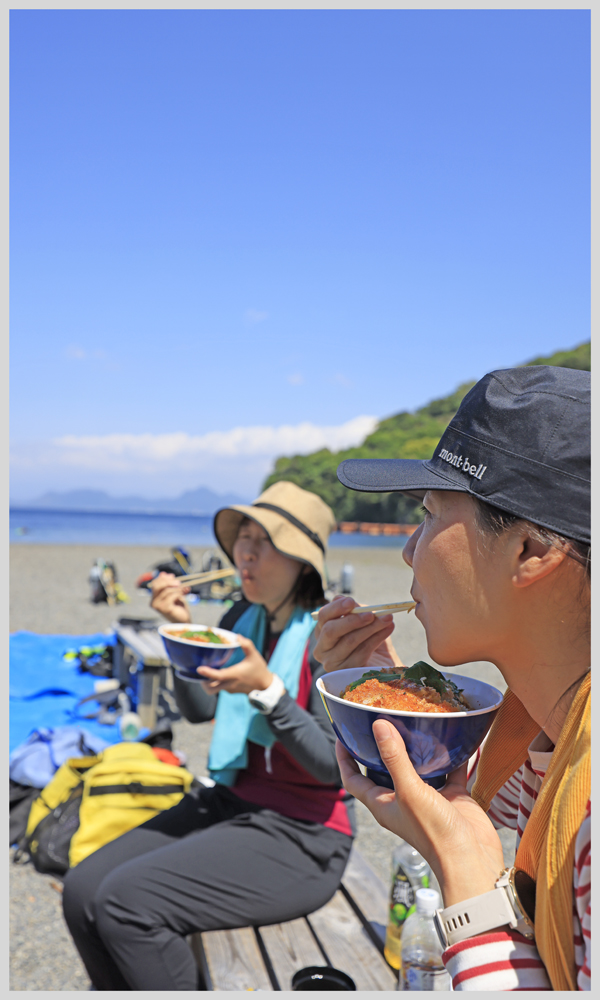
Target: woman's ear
{"type": "Point", "coordinates": [535, 559]}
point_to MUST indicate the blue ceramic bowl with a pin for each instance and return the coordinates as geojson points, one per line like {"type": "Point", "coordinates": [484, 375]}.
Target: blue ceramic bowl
{"type": "Point", "coordinates": [186, 655]}
{"type": "Point", "coordinates": [437, 742]}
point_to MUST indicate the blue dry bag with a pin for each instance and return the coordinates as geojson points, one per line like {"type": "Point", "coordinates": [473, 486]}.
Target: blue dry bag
{"type": "Point", "coordinates": [36, 761]}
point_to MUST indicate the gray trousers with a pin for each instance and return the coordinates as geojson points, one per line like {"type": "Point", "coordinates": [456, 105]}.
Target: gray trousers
{"type": "Point", "coordinates": [211, 862]}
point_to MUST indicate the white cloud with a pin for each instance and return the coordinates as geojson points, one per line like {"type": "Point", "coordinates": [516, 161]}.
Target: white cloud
{"type": "Point", "coordinates": [236, 459]}
{"type": "Point", "coordinates": [254, 316]}
{"type": "Point", "coordinates": [296, 379]}
{"type": "Point", "coordinates": [123, 450]}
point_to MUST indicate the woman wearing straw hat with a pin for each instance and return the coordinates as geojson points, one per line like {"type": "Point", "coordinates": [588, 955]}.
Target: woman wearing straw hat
{"type": "Point", "coordinates": [500, 573]}
{"type": "Point", "coordinates": [269, 840]}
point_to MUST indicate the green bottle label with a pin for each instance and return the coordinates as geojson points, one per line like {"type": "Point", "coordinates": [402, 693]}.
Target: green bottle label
{"type": "Point", "coordinates": [402, 898]}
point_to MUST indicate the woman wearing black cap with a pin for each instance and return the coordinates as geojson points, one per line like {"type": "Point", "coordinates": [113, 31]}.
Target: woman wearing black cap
{"type": "Point", "coordinates": [501, 573]}
{"type": "Point", "coordinates": [268, 841]}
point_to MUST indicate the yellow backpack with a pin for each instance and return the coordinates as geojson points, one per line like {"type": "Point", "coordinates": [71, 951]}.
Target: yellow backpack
{"type": "Point", "coordinates": [92, 800]}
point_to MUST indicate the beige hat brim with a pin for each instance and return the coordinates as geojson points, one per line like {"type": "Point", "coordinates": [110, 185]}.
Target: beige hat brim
{"type": "Point", "coordinates": [284, 536]}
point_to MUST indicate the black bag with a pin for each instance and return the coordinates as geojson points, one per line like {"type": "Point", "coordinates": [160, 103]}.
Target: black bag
{"type": "Point", "coordinates": [20, 799]}
{"type": "Point", "coordinates": [48, 846]}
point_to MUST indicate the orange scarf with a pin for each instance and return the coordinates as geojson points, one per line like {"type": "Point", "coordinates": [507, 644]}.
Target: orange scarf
{"type": "Point", "coordinates": [547, 848]}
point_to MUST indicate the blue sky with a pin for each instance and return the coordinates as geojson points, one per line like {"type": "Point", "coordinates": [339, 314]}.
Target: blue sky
{"type": "Point", "coordinates": [237, 234]}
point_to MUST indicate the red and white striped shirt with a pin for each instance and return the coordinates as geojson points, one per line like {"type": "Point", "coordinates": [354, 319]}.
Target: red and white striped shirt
{"type": "Point", "coordinates": [505, 960]}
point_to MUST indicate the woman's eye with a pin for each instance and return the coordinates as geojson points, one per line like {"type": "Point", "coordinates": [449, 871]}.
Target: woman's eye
{"type": "Point", "coordinates": [423, 510]}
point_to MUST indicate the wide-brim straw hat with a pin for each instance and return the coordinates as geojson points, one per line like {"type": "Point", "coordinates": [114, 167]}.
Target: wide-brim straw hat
{"type": "Point", "coordinates": [297, 522]}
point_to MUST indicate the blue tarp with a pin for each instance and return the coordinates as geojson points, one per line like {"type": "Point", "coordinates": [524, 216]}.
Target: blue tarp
{"type": "Point", "coordinates": [44, 688]}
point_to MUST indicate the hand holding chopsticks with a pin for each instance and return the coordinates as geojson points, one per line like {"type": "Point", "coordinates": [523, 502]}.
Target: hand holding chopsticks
{"type": "Point", "coordinates": [379, 609]}
{"type": "Point", "coordinates": [349, 635]}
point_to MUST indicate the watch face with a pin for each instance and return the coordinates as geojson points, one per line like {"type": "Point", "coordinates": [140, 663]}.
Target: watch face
{"type": "Point", "coordinates": [524, 889]}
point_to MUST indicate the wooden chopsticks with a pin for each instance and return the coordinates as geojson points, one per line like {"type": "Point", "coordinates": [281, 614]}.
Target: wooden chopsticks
{"type": "Point", "coordinates": [379, 609]}
{"type": "Point", "coordinates": [208, 577]}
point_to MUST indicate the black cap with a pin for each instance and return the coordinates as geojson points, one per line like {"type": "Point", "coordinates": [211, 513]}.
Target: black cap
{"type": "Point", "coordinates": [520, 440]}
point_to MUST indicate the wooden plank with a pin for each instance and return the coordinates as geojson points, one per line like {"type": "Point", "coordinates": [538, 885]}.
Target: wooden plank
{"type": "Point", "coordinates": [290, 946]}
{"type": "Point", "coordinates": [148, 687]}
{"type": "Point", "coordinates": [349, 947]}
{"type": "Point", "coordinates": [368, 893]}
{"type": "Point", "coordinates": [234, 961]}
{"type": "Point", "coordinates": [195, 943]}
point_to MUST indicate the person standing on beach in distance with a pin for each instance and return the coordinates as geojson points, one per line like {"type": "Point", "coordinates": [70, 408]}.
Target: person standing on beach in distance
{"type": "Point", "coordinates": [500, 573]}
{"type": "Point", "coordinates": [269, 841]}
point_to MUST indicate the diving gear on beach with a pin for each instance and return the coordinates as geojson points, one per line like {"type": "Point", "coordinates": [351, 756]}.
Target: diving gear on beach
{"type": "Point", "coordinates": [104, 584]}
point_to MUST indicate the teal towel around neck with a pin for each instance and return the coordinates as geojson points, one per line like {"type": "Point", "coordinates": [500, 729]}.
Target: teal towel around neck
{"type": "Point", "coordinates": [236, 721]}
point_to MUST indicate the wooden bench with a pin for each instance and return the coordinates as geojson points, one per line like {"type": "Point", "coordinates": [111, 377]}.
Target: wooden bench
{"type": "Point", "coordinates": [347, 933]}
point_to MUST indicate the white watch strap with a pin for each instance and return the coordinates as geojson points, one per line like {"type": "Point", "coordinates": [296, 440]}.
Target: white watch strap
{"type": "Point", "coordinates": [476, 915]}
{"type": "Point", "coordinates": [266, 700]}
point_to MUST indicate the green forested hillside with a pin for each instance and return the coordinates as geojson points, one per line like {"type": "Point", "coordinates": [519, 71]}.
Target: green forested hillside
{"type": "Point", "coordinates": [405, 435]}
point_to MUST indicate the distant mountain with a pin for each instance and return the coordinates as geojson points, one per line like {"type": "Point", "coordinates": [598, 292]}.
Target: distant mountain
{"type": "Point", "coordinates": [200, 501]}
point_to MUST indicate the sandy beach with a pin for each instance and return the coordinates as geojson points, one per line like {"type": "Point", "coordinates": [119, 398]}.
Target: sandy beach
{"type": "Point", "coordinates": [49, 593]}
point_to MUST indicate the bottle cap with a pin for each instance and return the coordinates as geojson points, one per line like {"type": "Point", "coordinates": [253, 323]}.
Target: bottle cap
{"type": "Point", "coordinates": [427, 900]}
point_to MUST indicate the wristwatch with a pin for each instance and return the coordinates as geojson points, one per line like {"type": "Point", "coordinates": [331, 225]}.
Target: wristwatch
{"type": "Point", "coordinates": [266, 700]}
{"type": "Point", "coordinates": [511, 901]}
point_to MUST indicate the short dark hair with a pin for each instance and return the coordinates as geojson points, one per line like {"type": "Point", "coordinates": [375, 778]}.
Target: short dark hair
{"type": "Point", "coordinates": [309, 593]}
{"type": "Point", "coordinates": [495, 521]}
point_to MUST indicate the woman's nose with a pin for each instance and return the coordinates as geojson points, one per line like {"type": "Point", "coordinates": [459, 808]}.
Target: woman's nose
{"type": "Point", "coordinates": [409, 549]}
{"type": "Point", "coordinates": [243, 553]}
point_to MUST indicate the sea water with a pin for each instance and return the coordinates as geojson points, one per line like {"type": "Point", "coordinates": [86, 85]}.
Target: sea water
{"type": "Point", "coordinates": [78, 527]}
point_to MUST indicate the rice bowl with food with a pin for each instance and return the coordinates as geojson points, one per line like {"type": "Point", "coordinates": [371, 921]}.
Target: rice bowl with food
{"type": "Point", "coordinates": [420, 688]}
{"type": "Point", "coordinates": [439, 737]}
{"type": "Point", "coordinates": [191, 646]}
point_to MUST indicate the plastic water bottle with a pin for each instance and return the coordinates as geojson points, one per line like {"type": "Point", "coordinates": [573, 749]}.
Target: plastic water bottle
{"type": "Point", "coordinates": [130, 726]}
{"type": "Point", "coordinates": [410, 871]}
{"type": "Point", "coordinates": [422, 967]}
{"type": "Point", "coordinates": [346, 579]}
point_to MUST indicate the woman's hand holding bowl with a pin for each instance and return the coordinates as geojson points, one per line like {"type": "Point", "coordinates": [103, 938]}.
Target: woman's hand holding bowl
{"type": "Point", "coordinates": [448, 828]}
{"type": "Point", "coordinates": [250, 674]}
{"type": "Point", "coordinates": [359, 640]}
